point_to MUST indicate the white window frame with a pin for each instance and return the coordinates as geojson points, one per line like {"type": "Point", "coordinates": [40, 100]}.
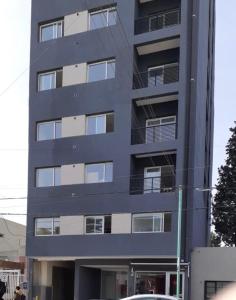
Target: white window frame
{"type": "Point", "coordinates": [162, 123]}
{"type": "Point", "coordinates": [167, 285]}
{"type": "Point", "coordinates": [95, 218]}
{"type": "Point", "coordinates": [148, 215]}
{"type": "Point", "coordinates": [55, 32]}
{"type": "Point", "coordinates": [54, 129]}
{"type": "Point", "coordinates": [163, 16]}
{"type": "Point", "coordinates": [163, 68]}
{"type": "Point", "coordinates": [96, 116]}
{"type": "Point", "coordinates": [45, 74]}
{"type": "Point", "coordinates": [97, 63]}
{"type": "Point", "coordinates": [52, 226]}
{"type": "Point", "coordinates": [37, 174]}
{"type": "Point", "coordinates": [153, 190]}
{"type": "Point", "coordinates": [104, 172]}
{"type": "Point", "coordinates": [107, 10]}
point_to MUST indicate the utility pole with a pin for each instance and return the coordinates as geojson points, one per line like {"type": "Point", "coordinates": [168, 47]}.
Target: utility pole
{"type": "Point", "coordinates": [180, 203]}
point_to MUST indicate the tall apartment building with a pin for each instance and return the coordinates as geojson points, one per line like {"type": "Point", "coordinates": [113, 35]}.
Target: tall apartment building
{"type": "Point", "coordinates": [121, 116]}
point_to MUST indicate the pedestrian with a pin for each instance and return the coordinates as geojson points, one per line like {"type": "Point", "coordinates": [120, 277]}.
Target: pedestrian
{"type": "Point", "coordinates": [18, 294]}
{"type": "Point", "coordinates": [2, 289]}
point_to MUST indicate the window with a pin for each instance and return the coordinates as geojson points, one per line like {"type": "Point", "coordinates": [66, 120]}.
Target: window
{"type": "Point", "coordinates": [212, 287]}
{"type": "Point", "coordinates": [47, 226]}
{"type": "Point", "coordinates": [48, 177]}
{"type": "Point", "coordinates": [49, 130]}
{"type": "Point", "coordinates": [164, 283]}
{"type": "Point", "coordinates": [98, 124]}
{"type": "Point", "coordinates": [51, 31]}
{"type": "Point", "coordinates": [97, 173]}
{"type": "Point", "coordinates": [101, 70]}
{"type": "Point", "coordinates": [49, 80]}
{"type": "Point", "coordinates": [102, 18]}
{"type": "Point", "coordinates": [158, 222]}
{"type": "Point", "coordinates": [98, 224]}
{"type": "Point", "coordinates": [160, 129]}
{"type": "Point", "coordinates": [164, 74]}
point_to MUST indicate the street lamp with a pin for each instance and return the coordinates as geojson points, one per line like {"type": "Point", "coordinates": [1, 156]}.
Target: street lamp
{"type": "Point", "coordinates": [180, 204]}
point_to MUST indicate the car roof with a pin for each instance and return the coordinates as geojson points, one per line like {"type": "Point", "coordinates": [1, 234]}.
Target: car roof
{"type": "Point", "coordinates": [150, 295]}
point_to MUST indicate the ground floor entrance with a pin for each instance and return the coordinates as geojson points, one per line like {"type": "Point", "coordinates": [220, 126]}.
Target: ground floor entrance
{"type": "Point", "coordinates": [106, 279]}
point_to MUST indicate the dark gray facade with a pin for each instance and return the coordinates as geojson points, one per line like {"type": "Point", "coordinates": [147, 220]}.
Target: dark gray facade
{"type": "Point", "coordinates": [187, 95]}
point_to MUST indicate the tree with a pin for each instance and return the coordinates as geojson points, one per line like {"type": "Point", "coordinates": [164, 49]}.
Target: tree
{"type": "Point", "coordinates": [224, 206]}
{"type": "Point", "coordinates": [215, 240]}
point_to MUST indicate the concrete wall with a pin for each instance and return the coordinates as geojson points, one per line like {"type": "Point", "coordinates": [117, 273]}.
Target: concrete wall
{"type": "Point", "coordinates": [12, 245]}
{"type": "Point", "coordinates": [72, 174]}
{"type": "Point", "coordinates": [76, 23]}
{"type": "Point", "coordinates": [71, 225]}
{"type": "Point", "coordinates": [211, 264]}
{"type": "Point", "coordinates": [73, 126]}
{"type": "Point", "coordinates": [74, 74]}
{"type": "Point", "coordinates": [121, 223]}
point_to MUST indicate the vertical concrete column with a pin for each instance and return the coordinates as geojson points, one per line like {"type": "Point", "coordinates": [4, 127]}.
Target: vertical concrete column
{"type": "Point", "coordinates": [76, 280]}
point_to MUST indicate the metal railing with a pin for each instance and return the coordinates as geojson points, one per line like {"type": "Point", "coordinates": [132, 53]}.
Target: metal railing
{"type": "Point", "coordinates": [154, 134]}
{"type": "Point", "coordinates": [144, 185]}
{"type": "Point", "coordinates": [157, 21]}
{"type": "Point", "coordinates": [155, 76]}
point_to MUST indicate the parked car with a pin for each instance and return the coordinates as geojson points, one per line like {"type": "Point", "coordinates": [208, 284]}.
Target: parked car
{"type": "Point", "coordinates": [150, 297]}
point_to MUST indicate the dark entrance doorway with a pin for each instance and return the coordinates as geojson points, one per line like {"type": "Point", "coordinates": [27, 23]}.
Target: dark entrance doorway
{"type": "Point", "coordinates": [62, 283]}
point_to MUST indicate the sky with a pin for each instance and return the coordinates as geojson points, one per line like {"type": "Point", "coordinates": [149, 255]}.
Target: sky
{"type": "Point", "coordinates": [14, 59]}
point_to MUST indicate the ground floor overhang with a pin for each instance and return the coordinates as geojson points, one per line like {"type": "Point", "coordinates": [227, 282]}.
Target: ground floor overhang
{"type": "Point", "coordinates": [55, 278]}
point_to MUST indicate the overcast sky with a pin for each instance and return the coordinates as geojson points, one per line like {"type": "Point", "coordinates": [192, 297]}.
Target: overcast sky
{"type": "Point", "coordinates": [15, 40]}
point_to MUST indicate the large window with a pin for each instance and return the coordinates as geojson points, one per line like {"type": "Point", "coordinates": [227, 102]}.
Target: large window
{"type": "Point", "coordinates": [97, 124]}
{"type": "Point", "coordinates": [51, 31]}
{"type": "Point", "coordinates": [49, 80]}
{"type": "Point", "coordinates": [158, 222]}
{"type": "Point", "coordinates": [47, 226]}
{"type": "Point", "coordinates": [97, 173]}
{"type": "Point", "coordinates": [149, 282]}
{"type": "Point", "coordinates": [97, 224]}
{"type": "Point", "coordinates": [49, 130]}
{"type": "Point", "coordinates": [48, 177]}
{"type": "Point", "coordinates": [212, 287]}
{"type": "Point", "coordinates": [102, 18]}
{"type": "Point", "coordinates": [101, 70]}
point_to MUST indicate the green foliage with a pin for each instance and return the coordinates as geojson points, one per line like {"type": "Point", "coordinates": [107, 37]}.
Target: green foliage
{"type": "Point", "coordinates": [215, 240]}
{"type": "Point", "coordinates": [224, 207]}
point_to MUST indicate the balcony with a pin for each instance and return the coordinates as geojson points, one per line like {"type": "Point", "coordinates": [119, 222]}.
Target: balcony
{"type": "Point", "coordinates": [158, 75]}
{"type": "Point", "coordinates": [157, 21]}
{"type": "Point", "coordinates": [154, 133]}
{"type": "Point", "coordinates": [153, 174]}
{"type": "Point", "coordinates": [154, 120]}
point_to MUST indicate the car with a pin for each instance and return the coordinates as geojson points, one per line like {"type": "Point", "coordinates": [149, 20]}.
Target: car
{"type": "Point", "coordinates": [150, 297]}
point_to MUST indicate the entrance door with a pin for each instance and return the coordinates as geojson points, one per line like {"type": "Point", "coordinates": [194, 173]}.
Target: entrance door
{"type": "Point", "coordinates": [152, 180]}
{"type": "Point", "coordinates": [171, 280]}
{"type": "Point", "coordinates": [62, 284]}
{"type": "Point", "coordinates": [114, 285]}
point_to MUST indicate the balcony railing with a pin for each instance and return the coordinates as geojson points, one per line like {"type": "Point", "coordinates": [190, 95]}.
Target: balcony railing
{"type": "Point", "coordinates": [156, 76]}
{"type": "Point", "coordinates": [144, 185]}
{"type": "Point", "coordinates": [157, 21]}
{"type": "Point", "coordinates": [154, 134]}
